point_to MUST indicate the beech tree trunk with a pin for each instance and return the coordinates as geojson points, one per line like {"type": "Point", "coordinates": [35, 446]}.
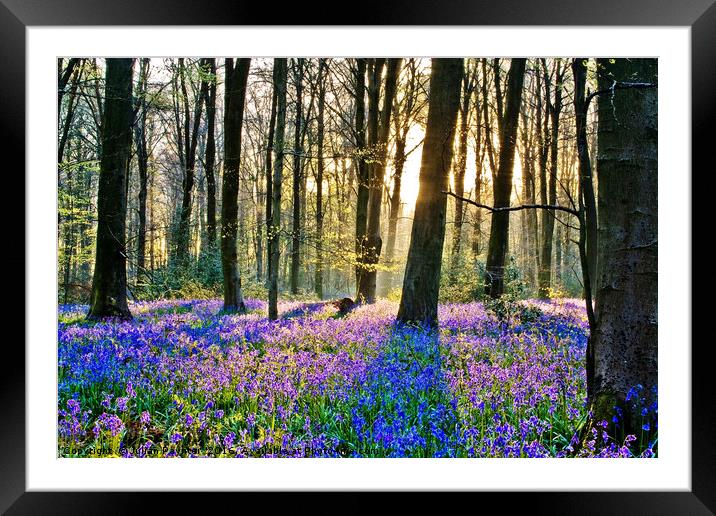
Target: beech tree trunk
{"type": "Point", "coordinates": [499, 230]}
{"type": "Point", "coordinates": [236, 76]}
{"type": "Point", "coordinates": [109, 283]}
{"type": "Point", "coordinates": [625, 335]}
{"type": "Point", "coordinates": [280, 71]}
{"type": "Point", "coordinates": [421, 283]}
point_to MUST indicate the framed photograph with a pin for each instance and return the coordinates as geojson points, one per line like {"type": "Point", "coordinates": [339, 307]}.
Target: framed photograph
{"type": "Point", "coordinates": [518, 88]}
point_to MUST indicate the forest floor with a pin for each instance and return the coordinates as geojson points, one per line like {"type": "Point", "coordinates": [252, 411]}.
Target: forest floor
{"type": "Point", "coordinates": [185, 380]}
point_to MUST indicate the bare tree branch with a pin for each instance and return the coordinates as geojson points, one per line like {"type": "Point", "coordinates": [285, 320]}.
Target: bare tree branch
{"type": "Point", "coordinates": [514, 208]}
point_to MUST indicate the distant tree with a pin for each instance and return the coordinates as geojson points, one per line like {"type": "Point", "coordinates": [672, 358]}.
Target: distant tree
{"type": "Point", "coordinates": [209, 71]}
{"type": "Point", "coordinates": [320, 166]}
{"type": "Point", "coordinates": [379, 131]}
{"type": "Point", "coordinates": [468, 85]}
{"type": "Point", "coordinates": [553, 111]}
{"type": "Point", "coordinates": [499, 230]}
{"type": "Point", "coordinates": [236, 76]}
{"type": "Point", "coordinates": [403, 118]}
{"type": "Point", "coordinates": [269, 181]}
{"type": "Point", "coordinates": [190, 136]}
{"type": "Point", "coordinates": [421, 284]}
{"type": "Point", "coordinates": [140, 143]}
{"type": "Point", "coordinates": [625, 335]}
{"type": "Point", "coordinates": [362, 164]}
{"type": "Point", "coordinates": [109, 283]}
{"type": "Point", "coordinates": [298, 73]}
{"type": "Point", "coordinates": [280, 72]}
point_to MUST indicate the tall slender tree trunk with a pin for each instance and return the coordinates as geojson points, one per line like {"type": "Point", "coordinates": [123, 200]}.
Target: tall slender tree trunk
{"type": "Point", "coordinates": [421, 283]}
{"type": "Point", "coordinates": [210, 155]}
{"type": "Point", "coordinates": [479, 158]}
{"type": "Point", "coordinates": [626, 331]}
{"type": "Point", "coordinates": [374, 242]}
{"type": "Point", "coordinates": [279, 82]}
{"type": "Point", "coordinates": [318, 279]}
{"type": "Point", "coordinates": [401, 123]}
{"type": "Point", "coordinates": [269, 183]}
{"type": "Point", "coordinates": [109, 283]}
{"type": "Point", "coordinates": [297, 178]}
{"type": "Point", "coordinates": [499, 230]}
{"type": "Point", "coordinates": [395, 199]}
{"type": "Point", "coordinates": [553, 110]}
{"type": "Point", "coordinates": [585, 167]}
{"type": "Point", "coordinates": [587, 204]}
{"type": "Point", "coordinates": [363, 172]}
{"type": "Point", "coordinates": [67, 122]}
{"type": "Point", "coordinates": [190, 143]}
{"type": "Point", "coordinates": [459, 176]}
{"type": "Point", "coordinates": [236, 76]}
{"type": "Point", "coordinates": [63, 77]}
{"type": "Point", "coordinates": [489, 145]}
{"type": "Point", "coordinates": [528, 192]}
{"type": "Point", "coordinates": [140, 134]}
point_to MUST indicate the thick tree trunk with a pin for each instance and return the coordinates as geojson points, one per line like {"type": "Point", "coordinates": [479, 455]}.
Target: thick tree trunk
{"type": "Point", "coordinates": [297, 160]}
{"type": "Point", "coordinates": [236, 76]}
{"type": "Point", "coordinates": [109, 283]}
{"type": "Point", "coordinates": [499, 229]}
{"type": "Point", "coordinates": [279, 83]}
{"type": "Point", "coordinates": [625, 335]}
{"type": "Point", "coordinates": [381, 130]}
{"type": "Point", "coordinates": [375, 72]}
{"type": "Point", "coordinates": [421, 283]}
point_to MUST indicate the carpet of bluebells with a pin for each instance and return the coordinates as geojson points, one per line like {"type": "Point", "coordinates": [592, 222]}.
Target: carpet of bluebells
{"type": "Point", "coordinates": [186, 380]}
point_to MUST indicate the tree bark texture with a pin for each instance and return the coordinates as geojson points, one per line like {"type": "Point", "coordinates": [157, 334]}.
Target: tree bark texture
{"type": "Point", "coordinates": [421, 283]}
{"type": "Point", "coordinates": [109, 283]}
{"type": "Point", "coordinates": [236, 76]}
{"type": "Point", "coordinates": [499, 229]}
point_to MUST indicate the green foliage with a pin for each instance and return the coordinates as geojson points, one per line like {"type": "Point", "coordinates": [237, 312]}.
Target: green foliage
{"type": "Point", "coordinates": [466, 282]}
{"type": "Point", "coordinates": [254, 290]}
{"type": "Point", "coordinates": [509, 308]}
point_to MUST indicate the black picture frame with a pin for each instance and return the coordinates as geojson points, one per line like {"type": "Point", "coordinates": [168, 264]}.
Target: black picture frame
{"type": "Point", "coordinates": [17, 15]}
